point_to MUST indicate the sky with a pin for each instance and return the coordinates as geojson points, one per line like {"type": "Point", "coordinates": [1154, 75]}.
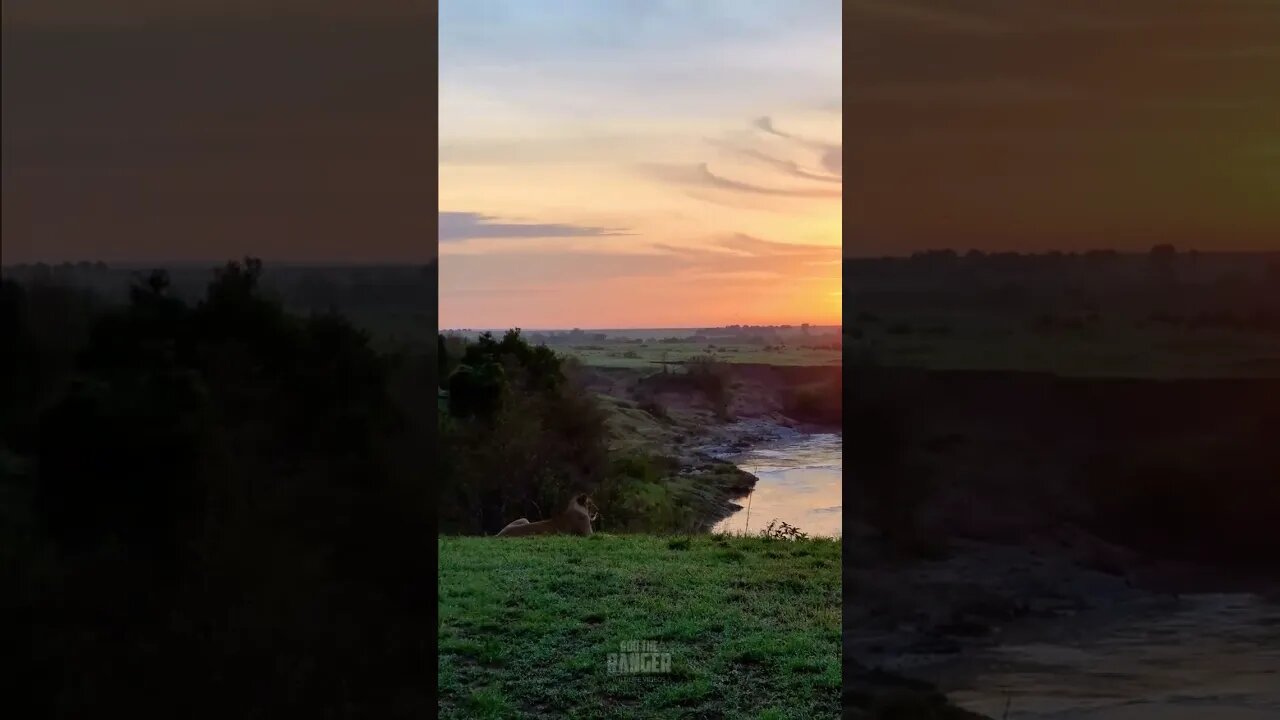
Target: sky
{"type": "Point", "coordinates": [205, 130]}
{"type": "Point", "coordinates": [1032, 125]}
{"type": "Point", "coordinates": [639, 163]}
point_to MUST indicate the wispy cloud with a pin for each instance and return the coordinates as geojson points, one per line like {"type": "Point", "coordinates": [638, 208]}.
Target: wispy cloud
{"type": "Point", "coordinates": [456, 226]}
{"type": "Point", "coordinates": [740, 252]}
{"type": "Point", "coordinates": [832, 153]}
{"type": "Point", "coordinates": [788, 167]}
{"type": "Point", "coordinates": [734, 253]}
{"type": "Point", "coordinates": [700, 175]}
{"type": "Point", "coordinates": [752, 246]}
{"type": "Point", "coordinates": [829, 157]}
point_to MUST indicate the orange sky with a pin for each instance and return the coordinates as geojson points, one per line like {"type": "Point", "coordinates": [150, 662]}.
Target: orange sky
{"type": "Point", "coordinates": [639, 165]}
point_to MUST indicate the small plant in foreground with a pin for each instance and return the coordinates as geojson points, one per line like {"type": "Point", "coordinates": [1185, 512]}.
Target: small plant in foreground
{"type": "Point", "coordinates": [782, 530]}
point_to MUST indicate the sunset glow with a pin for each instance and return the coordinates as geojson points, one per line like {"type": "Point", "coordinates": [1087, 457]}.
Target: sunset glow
{"type": "Point", "coordinates": [606, 165]}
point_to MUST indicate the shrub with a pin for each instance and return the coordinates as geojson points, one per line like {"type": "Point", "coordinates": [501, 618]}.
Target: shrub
{"type": "Point", "coordinates": [776, 530]}
{"type": "Point", "coordinates": [523, 434]}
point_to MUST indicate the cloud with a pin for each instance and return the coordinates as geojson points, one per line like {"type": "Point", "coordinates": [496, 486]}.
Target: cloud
{"type": "Point", "coordinates": [833, 161]}
{"type": "Point", "coordinates": [787, 166]}
{"type": "Point", "coordinates": [740, 254]}
{"type": "Point", "coordinates": [456, 226]}
{"type": "Point", "coordinates": [832, 153]}
{"type": "Point", "coordinates": [829, 157]}
{"type": "Point", "coordinates": [701, 175]}
{"type": "Point", "coordinates": [725, 183]}
{"type": "Point", "coordinates": [750, 245]}
{"type": "Point", "coordinates": [766, 124]}
{"type": "Point", "coordinates": [734, 253]}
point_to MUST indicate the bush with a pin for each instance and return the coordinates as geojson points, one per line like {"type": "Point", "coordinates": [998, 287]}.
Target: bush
{"type": "Point", "coordinates": [641, 494]}
{"type": "Point", "coordinates": [520, 436]}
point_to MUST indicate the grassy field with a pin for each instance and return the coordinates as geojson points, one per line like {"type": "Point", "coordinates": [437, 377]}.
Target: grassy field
{"type": "Point", "coordinates": [635, 355]}
{"type": "Point", "coordinates": [752, 627]}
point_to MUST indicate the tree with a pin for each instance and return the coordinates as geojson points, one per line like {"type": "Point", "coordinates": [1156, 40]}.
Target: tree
{"type": "Point", "coordinates": [520, 434]}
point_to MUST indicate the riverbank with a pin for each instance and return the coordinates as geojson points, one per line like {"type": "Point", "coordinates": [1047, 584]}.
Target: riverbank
{"type": "Point", "coordinates": [697, 428]}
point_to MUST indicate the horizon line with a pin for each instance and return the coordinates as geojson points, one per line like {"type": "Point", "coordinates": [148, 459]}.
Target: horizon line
{"type": "Point", "coordinates": [648, 327]}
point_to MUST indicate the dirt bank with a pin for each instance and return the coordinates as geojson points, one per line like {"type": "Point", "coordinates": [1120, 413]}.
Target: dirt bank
{"type": "Point", "coordinates": [698, 422]}
{"type": "Point", "coordinates": [788, 395]}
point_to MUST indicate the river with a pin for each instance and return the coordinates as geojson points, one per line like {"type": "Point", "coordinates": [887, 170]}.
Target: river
{"type": "Point", "coordinates": [1197, 656]}
{"type": "Point", "coordinates": [799, 483]}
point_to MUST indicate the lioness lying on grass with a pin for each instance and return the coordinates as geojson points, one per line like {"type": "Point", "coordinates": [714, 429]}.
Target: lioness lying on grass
{"type": "Point", "coordinates": [575, 520]}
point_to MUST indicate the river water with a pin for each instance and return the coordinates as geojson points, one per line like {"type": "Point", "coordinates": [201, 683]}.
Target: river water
{"type": "Point", "coordinates": [1212, 656]}
{"type": "Point", "coordinates": [799, 483]}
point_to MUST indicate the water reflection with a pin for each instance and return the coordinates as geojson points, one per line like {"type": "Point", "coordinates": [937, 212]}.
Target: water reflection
{"type": "Point", "coordinates": [799, 484]}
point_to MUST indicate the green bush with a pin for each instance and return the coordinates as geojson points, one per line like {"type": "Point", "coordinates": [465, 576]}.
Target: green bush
{"type": "Point", "coordinates": [520, 436]}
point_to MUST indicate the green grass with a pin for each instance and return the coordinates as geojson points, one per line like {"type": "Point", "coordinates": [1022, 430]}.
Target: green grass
{"type": "Point", "coordinates": [632, 429]}
{"type": "Point", "coordinates": [632, 355]}
{"type": "Point", "coordinates": [526, 626]}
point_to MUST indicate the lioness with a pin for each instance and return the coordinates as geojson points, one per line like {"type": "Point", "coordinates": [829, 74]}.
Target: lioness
{"type": "Point", "coordinates": [575, 520]}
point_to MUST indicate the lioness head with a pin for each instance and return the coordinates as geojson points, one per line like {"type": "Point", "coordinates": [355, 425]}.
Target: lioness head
{"type": "Point", "coordinates": [584, 500]}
